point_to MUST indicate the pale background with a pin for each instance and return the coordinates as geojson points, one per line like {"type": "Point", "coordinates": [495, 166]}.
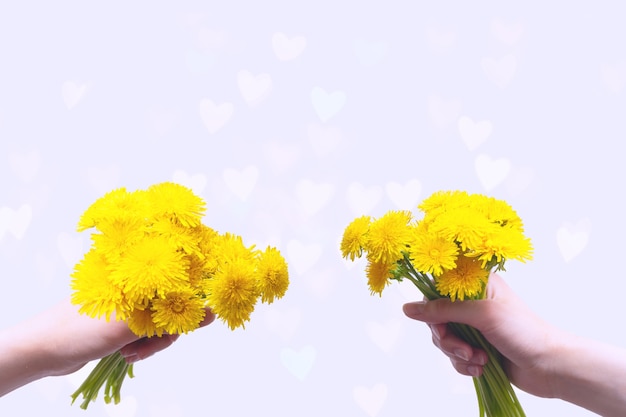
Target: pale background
{"type": "Point", "coordinates": [291, 120]}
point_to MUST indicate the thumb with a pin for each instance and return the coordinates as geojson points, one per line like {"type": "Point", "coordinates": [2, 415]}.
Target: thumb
{"type": "Point", "coordinates": [470, 312]}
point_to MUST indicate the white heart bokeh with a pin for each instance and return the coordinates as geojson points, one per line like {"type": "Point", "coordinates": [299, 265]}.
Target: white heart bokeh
{"type": "Point", "coordinates": [370, 399]}
{"type": "Point", "coordinates": [572, 238]}
{"type": "Point", "coordinates": [215, 116]}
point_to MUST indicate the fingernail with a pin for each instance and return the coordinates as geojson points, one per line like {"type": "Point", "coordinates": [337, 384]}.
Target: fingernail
{"type": "Point", "coordinates": [414, 309]}
{"type": "Point", "coordinates": [473, 371]}
{"type": "Point", "coordinates": [461, 354]}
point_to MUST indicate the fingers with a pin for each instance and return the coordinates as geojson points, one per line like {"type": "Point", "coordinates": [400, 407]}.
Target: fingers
{"type": "Point", "coordinates": [465, 359]}
{"type": "Point", "coordinates": [148, 346]}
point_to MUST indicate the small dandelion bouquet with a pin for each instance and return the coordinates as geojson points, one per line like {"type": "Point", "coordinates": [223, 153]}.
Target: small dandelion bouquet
{"type": "Point", "coordinates": [450, 253]}
{"type": "Point", "coordinates": [154, 265]}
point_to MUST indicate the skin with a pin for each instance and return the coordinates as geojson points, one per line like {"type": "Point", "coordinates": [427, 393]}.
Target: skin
{"type": "Point", "coordinates": [60, 341]}
{"type": "Point", "coordinates": [538, 358]}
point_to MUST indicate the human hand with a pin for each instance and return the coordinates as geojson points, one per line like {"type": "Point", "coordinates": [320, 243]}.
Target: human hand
{"type": "Point", "coordinates": [80, 339]}
{"type": "Point", "coordinates": [526, 342]}
{"type": "Point", "coordinates": [60, 341]}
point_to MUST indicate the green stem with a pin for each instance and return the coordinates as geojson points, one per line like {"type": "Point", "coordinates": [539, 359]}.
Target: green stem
{"type": "Point", "coordinates": [496, 396]}
{"type": "Point", "coordinates": [110, 370]}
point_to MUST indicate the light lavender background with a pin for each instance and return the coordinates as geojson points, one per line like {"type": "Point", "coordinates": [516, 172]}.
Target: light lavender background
{"type": "Point", "coordinates": [290, 119]}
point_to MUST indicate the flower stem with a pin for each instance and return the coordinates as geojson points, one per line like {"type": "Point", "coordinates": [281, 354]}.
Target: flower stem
{"type": "Point", "coordinates": [496, 396]}
{"type": "Point", "coordinates": [110, 370]}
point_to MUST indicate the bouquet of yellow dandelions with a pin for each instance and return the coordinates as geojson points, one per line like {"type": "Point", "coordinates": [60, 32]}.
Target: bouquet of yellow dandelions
{"type": "Point", "coordinates": [154, 265]}
{"type": "Point", "coordinates": [450, 253]}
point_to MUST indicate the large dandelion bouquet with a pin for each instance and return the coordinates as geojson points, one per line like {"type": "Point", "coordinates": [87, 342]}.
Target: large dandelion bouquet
{"type": "Point", "coordinates": [154, 265]}
{"type": "Point", "coordinates": [450, 253]}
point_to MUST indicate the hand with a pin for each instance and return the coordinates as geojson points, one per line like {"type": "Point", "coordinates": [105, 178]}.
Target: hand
{"type": "Point", "coordinates": [525, 341]}
{"type": "Point", "coordinates": [80, 339]}
{"type": "Point", "coordinates": [60, 341]}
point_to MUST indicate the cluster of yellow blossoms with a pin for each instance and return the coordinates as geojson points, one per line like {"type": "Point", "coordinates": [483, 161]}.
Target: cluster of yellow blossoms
{"type": "Point", "coordinates": [459, 240]}
{"type": "Point", "coordinates": [154, 264]}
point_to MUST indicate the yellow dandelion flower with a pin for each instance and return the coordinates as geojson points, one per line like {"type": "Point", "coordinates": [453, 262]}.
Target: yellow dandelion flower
{"type": "Point", "coordinates": [150, 268]}
{"type": "Point", "coordinates": [432, 254]}
{"type": "Point", "coordinates": [461, 225]}
{"type": "Point", "coordinates": [232, 292]}
{"type": "Point", "coordinates": [502, 244]}
{"type": "Point", "coordinates": [196, 272]}
{"type": "Point", "coordinates": [378, 274]}
{"type": "Point", "coordinates": [179, 236]}
{"type": "Point", "coordinates": [179, 312]}
{"type": "Point", "coordinates": [116, 237]}
{"type": "Point", "coordinates": [93, 289]}
{"type": "Point", "coordinates": [355, 237]}
{"type": "Point", "coordinates": [443, 200]}
{"type": "Point", "coordinates": [175, 201]}
{"type": "Point", "coordinates": [229, 247]}
{"type": "Point", "coordinates": [466, 281]}
{"type": "Point", "coordinates": [388, 236]}
{"type": "Point", "coordinates": [273, 277]}
{"type": "Point", "coordinates": [140, 322]}
{"type": "Point", "coordinates": [116, 204]}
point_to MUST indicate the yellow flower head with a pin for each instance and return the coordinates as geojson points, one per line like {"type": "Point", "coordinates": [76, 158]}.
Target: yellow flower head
{"type": "Point", "coordinates": [498, 212]}
{"type": "Point", "coordinates": [466, 281]}
{"type": "Point", "coordinates": [388, 237]}
{"type": "Point", "coordinates": [272, 275]}
{"type": "Point", "coordinates": [178, 236]}
{"type": "Point", "coordinates": [229, 247]}
{"type": "Point", "coordinates": [355, 237]}
{"type": "Point", "coordinates": [175, 201]}
{"type": "Point", "coordinates": [115, 205]}
{"type": "Point", "coordinates": [444, 201]}
{"type": "Point", "coordinates": [116, 237]}
{"type": "Point", "coordinates": [179, 312]}
{"type": "Point", "coordinates": [140, 322]}
{"type": "Point", "coordinates": [232, 292]}
{"type": "Point", "coordinates": [378, 275]}
{"type": "Point", "coordinates": [462, 225]}
{"type": "Point", "coordinates": [93, 289]}
{"type": "Point", "coordinates": [432, 254]}
{"type": "Point", "coordinates": [150, 268]}
{"type": "Point", "coordinates": [501, 244]}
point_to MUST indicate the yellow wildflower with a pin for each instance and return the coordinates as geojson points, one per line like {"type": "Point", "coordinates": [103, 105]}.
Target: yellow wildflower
{"type": "Point", "coordinates": [175, 201]}
{"type": "Point", "coordinates": [150, 268]}
{"type": "Point", "coordinates": [502, 244]}
{"type": "Point", "coordinates": [432, 254]}
{"type": "Point", "coordinates": [232, 292]}
{"type": "Point", "coordinates": [273, 278]}
{"type": "Point", "coordinates": [466, 281]}
{"type": "Point", "coordinates": [378, 274]}
{"type": "Point", "coordinates": [140, 322]}
{"type": "Point", "coordinates": [355, 237]}
{"type": "Point", "coordinates": [388, 236]}
{"type": "Point", "coordinates": [116, 237]}
{"type": "Point", "coordinates": [461, 225]}
{"type": "Point", "coordinates": [179, 312]}
{"type": "Point", "coordinates": [229, 247]}
{"type": "Point", "coordinates": [93, 289]}
{"type": "Point", "coordinates": [443, 201]}
{"type": "Point", "coordinates": [112, 206]}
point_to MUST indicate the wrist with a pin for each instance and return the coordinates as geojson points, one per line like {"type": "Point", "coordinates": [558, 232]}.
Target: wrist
{"type": "Point", "coordinates": [22, 359]}
{"type": "Point", "coordinates": [590, 374]}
